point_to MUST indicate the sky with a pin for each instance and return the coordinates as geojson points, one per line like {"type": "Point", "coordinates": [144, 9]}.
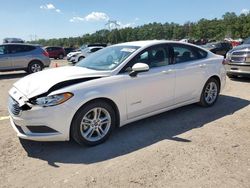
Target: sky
{"type": "Point", "coordinates": [47, 19]}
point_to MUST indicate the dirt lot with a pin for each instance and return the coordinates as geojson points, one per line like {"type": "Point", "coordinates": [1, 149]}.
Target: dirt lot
{"type": "Point", "coordinates": [187, 147]}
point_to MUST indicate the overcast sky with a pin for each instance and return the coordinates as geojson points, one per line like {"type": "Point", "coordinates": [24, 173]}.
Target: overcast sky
{"type": "Point", "coordinates": [69, 18]}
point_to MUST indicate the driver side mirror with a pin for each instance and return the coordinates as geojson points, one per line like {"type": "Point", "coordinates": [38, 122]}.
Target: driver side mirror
{"type": "Point", "coordinates": [137, 68]}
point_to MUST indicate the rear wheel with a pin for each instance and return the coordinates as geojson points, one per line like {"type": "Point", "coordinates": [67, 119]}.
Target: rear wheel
{"type": "Point", "coordinates": [34, 66]}
{"type": "Point", "coordinates": [210, 93]}
{"type": "Point", "coordinates": [80, 58]}
{"type": "Point", "coordinates": [93, 123]}
{"type": "Point", "coordinates": [61, 56]}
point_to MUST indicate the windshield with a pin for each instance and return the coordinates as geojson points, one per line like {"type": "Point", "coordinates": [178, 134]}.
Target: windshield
{"type": "Point", "coordinates": [247, 41]}
{"type": "Point", "coordinates": [108, 58]}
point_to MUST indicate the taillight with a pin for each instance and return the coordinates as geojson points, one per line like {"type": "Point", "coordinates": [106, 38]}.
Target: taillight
{"type": "Point", "coordinates": [46, 53]}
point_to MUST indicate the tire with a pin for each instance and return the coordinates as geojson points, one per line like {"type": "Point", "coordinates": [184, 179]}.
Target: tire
{"type": "Point", "coordinates": [210, 93]}
{"type": "Point", "coordinates": [93, 123]}
{"type": "Point", "coordinates": [61, 56]}
{"type": "Point", "coordinates": [34, 66]}
{"type": "Point", "coordinates": [80, 58]}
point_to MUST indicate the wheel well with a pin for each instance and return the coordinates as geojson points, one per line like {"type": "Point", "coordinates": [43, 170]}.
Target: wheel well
{"type": "Point", "coordinates": [110, 102]}
{"type": "Point", "coordinates": [81, 57]}
{"type": "Point", "coordinates": [218, 79]}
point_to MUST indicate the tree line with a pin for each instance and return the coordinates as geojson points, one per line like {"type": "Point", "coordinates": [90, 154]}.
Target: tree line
{"type": "Point", "coordinates": [230, 25]}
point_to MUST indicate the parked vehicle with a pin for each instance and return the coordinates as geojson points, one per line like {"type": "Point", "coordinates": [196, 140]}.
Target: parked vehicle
{"type": "Point", "coordinates": [30, 58]}
{"type": "Point", "coordinates": [238, 61]}
{"type": "Point", "coordinates": [113, 87]}
{"type": "Point", "coordinates": [68, 50]}
{"type": "Point", "coordinates": [220, 48]}
{"type": "Point", "coordinates": [78, 56]}
{"type": "Point", "coordinates": [55, 52]}
{"type": "Point", "coordinates": [247, 41]}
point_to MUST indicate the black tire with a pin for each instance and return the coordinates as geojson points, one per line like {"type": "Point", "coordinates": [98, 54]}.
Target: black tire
{"type": "Point", "coordinates": [34, 66]}
{"type": "Point", "coordinates": [206, 94]}
{"type": "Point", "coordinates": [232, 76]}
{"type": "Point", "coordinates": [80, 58]}
{"type": "Point", "coordinates": [61, 56]}
{"type": "Point", "coordinates": [77, 129]}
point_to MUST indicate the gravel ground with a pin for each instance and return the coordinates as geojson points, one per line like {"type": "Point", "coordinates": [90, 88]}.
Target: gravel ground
{"type": "Point", "coordinates": [186, 147]}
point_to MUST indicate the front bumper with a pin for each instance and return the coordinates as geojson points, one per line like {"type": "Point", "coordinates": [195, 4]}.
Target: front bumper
{"type": "Point", "coordinates": [42, 124]}
{"type": "Point", "coordinates": [241, 69]}
{"type": "Point", "coordinates": [71, 59]}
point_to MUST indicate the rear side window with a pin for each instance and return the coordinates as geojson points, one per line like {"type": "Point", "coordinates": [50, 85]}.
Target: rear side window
{"type": "Point", "coordinates": [20, 48]}
{"type": "Point", "coordinates": [184, 53]}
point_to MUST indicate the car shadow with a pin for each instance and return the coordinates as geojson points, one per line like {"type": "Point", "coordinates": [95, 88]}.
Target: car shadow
{"type": "Point", "coordinates": [135, 136]}
{"type": "Point", "coordinates": [13, 75]}
{"type": "Point", "coordinates": [241, 79]}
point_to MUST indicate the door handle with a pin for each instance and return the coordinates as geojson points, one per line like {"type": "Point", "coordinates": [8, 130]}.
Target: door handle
{"type": "Point", "coordinates": [202, 65]}
{"type": "Point", "coordinates": [167, 71]}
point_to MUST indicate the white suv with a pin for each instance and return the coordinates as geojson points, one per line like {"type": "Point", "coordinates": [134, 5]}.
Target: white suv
{"type": "Point", "coordinates": [78, 56]}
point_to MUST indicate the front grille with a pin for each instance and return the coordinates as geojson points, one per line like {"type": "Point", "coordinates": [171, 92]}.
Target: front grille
{"type": "Point", "coordinates": [240, 53]}
{"type": "Point", "coordinates": [239, 56]}
{"type": "Point", "coordinates": [14, 107]}
{"type": "Point", "coordinates": [238, 59]}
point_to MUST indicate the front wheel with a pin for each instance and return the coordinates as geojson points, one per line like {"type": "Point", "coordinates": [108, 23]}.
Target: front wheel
{"type": "Point", "coordinates": [80, 58]}
{"type": "Point", "coordinates": [93, 123]}
{"type": "Point", "coordinates": [210, 93]}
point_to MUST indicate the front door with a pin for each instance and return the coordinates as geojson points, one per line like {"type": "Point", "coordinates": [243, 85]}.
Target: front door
{"type": "Point", "coordinates": [153, 90]}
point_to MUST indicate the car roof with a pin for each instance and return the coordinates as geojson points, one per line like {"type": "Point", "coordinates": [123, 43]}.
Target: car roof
{"type": "Point", "coordinates": [146, 43]}
{"type": "Point", "coordinates": [21, 44]}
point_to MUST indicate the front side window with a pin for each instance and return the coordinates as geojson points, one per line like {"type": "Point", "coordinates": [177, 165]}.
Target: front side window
{"type": "Point", "coordinates": [108, 58]}
{"type": "Point", "coordinates": [155, 56]}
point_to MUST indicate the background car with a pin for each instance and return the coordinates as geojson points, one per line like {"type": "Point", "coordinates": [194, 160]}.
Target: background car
{"type": "Point", "coordinates": [220, 48]}
{"type": "Point", "coordinates": [30, 58]}
{"type": "Point", "coordinates": [75, 57]}
{"type": "Point", "coordinates": [55, 52]}
{"type": "Point", "coordinates": [238, 61]}
{"type": "Point", "coordinates": [69, 49]}
{"type": "Point", "coordinates": [113, 87]}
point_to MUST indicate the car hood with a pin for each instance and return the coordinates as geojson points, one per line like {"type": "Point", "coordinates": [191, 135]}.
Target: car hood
{"type": "Point", "coordinates": [40, 82]}
{"type": "Point", "coordinates": [73, 53]}
{"type": "Point", "coordinates": [242, 47]}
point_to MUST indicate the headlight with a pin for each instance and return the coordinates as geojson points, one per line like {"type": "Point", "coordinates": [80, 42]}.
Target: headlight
{"type": "Point", "coordinates": [53, 100]}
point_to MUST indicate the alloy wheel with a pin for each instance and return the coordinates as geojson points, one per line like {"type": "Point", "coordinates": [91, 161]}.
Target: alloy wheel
{"type": "Point", "coordinates": [211, 92]}
{"type": "Point", "coordinates": [95, 124]}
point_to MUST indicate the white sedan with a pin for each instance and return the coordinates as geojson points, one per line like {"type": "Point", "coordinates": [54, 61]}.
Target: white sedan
{"type": "Point", "coordinates": [113, 87]}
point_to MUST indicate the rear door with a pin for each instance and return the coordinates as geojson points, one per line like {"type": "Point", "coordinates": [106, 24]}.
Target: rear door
{"type": "Point", "coordinates": [20, 55]}
{"type": "Point", "coordinates": [190, 67]}
{"type": "Point", "coordinates": [5, 61]}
